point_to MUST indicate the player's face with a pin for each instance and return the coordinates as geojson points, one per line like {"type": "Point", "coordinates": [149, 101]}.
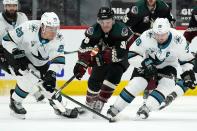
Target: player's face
{"type": "Point", "coordinates": [11, 8]}
{"type": "Point", "coordinates": [106, 25]}
{"type": "Point", "coordinates": [151, 2]}
{"type": "Point", "coordinates": [161, 38]}
{"type": "Point", "coordinates": [49, 32]}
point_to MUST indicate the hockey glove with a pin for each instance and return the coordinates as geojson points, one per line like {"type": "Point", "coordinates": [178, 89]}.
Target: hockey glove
{"type": "Point", "coordinates": [189, 79]}
{"type": "Point", "coordinates": [80, 69]}
{"type": "Point", "coordinates": [20, 61]}
{"type": "Point", "coordinates": [49, 81]}
{"type": "Point", "coordinates": [149, 69]}
{"type": "Point", "coordinates": [103, 57]}
{"type": "Point", "coordinates": [107, 55]}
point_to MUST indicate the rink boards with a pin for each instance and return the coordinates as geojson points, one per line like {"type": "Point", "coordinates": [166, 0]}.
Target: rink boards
{"type": "Point", "coordinates": [73, 38]}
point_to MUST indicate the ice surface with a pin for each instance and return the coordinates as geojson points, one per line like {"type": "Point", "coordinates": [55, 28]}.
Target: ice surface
{"type": "Point", "coordinates": [179, 116]}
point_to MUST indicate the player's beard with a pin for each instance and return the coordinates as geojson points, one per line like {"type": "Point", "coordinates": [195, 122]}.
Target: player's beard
{"type": "Point", "coordinates": [11, 15]}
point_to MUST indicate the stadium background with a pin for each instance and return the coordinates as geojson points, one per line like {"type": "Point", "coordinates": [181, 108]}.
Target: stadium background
{"type": "Point", "coordinates": [76, 16]}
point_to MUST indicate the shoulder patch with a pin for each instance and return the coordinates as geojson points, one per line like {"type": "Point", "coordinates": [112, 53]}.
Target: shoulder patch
{"type": "Point", "coordinates": [86, 40]}
{"type": "Point", "coordinates": [90, 31]}
{"type": "Point", "coordinates": [134, 10]}
{"type": "Point", "coordinates": [178, 39]}
{"type": "Point", "coordinates": [124, 31]}
{"type": "Point", "coordinates": [33, 27]}
{"type": "Point", "coordinates": [59, 36]}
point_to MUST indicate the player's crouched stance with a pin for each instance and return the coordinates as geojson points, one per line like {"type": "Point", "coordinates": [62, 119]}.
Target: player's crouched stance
{"type": "Point", "coordinates": [162, 48]}
{"type": "Point", "coordinates": [37, 43]}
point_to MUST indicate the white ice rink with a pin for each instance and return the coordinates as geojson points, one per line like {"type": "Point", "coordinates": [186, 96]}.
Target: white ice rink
{"type": "Point", "coordinates": [180, 116]}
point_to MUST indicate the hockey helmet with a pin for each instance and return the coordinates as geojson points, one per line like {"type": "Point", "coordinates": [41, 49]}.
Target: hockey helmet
{"type": "Point", "coordinates": [105, 13]}
{"type": "Point", "coordinates": [50, 19]}
{"type": "Point", "coordinates": [15, 2]}
{"type": "Point", "coordinates": [161, 26]}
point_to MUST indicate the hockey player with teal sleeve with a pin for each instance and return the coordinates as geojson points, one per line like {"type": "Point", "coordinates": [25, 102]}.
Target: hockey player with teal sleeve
{"type": "Point", "coordinates": [39, 46]}
{"type": "Point", "coordinates": [158, 47]}
{"type": "Point", "coordinates": [9, 19]}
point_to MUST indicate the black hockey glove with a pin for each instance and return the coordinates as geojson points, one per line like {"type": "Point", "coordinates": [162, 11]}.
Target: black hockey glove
{"type": "Point", "coordinates": [49, 81]}
{"type": "Point", "coordinates": [80, 69]}
{"type": "Point", "coordinates": [195, 63]}
{"type": "Point", "coordinates": [20, 61]}
{"type": "Point", "coordinates": [149, 70]}
{"type": "Point", "coordinates": [189, 79]}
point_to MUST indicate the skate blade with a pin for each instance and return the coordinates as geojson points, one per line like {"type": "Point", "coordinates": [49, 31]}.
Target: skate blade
{"type": "Point", "coordinates": [112, 119]}
{"type": "Point", "coordinates": [162, 106]}
{"type": "Point", "coordinates": [19, 116]}
{"type": "Point", "coordinates": [140, 117]}
{"type": "Point", "coordinates": [81, 110]}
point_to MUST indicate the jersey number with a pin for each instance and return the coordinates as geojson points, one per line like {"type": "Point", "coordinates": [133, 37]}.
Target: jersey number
{"type": "Point", "coordinates": [61, 48]}
{"type": "Point", "coordinates": [19, 32]}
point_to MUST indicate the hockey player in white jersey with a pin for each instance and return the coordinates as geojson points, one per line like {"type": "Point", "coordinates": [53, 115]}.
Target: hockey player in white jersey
{"type": "Point", "coordinates": [161, 48]}
{"type": "Point", "coordinates": [9, 19]}
{"type": "Point", "coordinates": [36, 45]}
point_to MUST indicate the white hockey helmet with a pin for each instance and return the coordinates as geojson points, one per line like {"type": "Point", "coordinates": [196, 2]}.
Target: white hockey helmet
{"type": "Point", "coordinates": [14, 2]}
{"type": "Point", "coordinates": [50, 19]}
{"type": "Point", "coordinates": [161, 26]}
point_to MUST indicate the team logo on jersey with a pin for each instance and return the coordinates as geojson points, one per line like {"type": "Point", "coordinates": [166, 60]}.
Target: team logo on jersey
{"type": "Point", "coordinates": [59, 36]}
{"type": "Point", "coordinates": [33, 28]}
{"type": "Point", "coordinates": [146, 19]}
{"type": "Point", "coordinates": [33, 43]}
{"type": "Point", "coordinates": [39, 56]}
{"type": "Point", "coordinates": [134, 10]}
{"type": "Point", "coordinates": [90, 31]}
{"type": "Point", "coordinates": [178, 39]}
{"type": "Point", "coordinates": [124, 32]}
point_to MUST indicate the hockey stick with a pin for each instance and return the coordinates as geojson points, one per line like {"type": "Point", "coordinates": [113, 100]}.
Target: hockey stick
{"type": "Point", "coordinates": [63, 86]}
{"type": "Point", "coordinates": [88, 108]}
{"type": "Point", "coordinates": [56, 102]}
{"type": "Point", "coordinates": [70, 52]}
{"type": "Point", "coordinates": [71, 99]}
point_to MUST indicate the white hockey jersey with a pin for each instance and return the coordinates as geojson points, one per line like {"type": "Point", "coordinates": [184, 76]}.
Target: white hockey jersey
{"type": "Point", "coordinates": [39, 51]}
{"type": "Point", "coordinates": [170, 53]}
{"type": "Point", "coordinates": [5, 26]}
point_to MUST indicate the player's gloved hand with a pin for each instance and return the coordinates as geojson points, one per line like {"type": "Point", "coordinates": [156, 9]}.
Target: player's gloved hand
{"type": "Point", "coordinates": [49, 81]}
{"type": "Point", "coordinates": [189, 79]}
{"type": "Point", "coordinates": [80, 69]}
{"type": "Point", "coordinates": [195, 63]}
{"type": "Point", "coordinates": [106, 56]}
{"type": "Point", "coordinates": [148, 68]}
{"type": "Point", "coordinates": [20, 61]}
{"type": "Point", "coordinates": [103, 57]}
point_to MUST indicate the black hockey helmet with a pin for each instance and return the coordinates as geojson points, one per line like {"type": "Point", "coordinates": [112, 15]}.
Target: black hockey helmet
{"type": "Point", "coordinates": [105, 13]}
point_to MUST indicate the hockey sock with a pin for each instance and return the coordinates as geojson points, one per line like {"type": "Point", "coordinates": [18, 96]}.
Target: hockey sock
{"type": "Point", "coordinates": [106, 91]}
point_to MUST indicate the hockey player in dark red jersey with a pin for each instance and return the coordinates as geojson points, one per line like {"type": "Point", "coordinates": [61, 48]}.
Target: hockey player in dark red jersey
{"type": "Point", "coordinates": [103, 49]}
{"type": "Point", "coordinates": [191, 32]}
{"type": "Point", "coordinates": [141, 16]}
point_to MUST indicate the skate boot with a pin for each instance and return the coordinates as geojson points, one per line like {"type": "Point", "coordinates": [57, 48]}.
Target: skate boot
{"type": "Point", "coordinates": [143, 112]}
{"type": "Point", "coordinates": [17, 110]}
{"type": "Point", "coordinates": [112, 112]}
{"type": "Point", "coordinates": [98, 106]}
{"type": "Point", "coordinates": [69, 113]}
{"type": "Point", "coordinates": [39, 97]}
{"type": "Point", "coordinates": [168, 100]}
